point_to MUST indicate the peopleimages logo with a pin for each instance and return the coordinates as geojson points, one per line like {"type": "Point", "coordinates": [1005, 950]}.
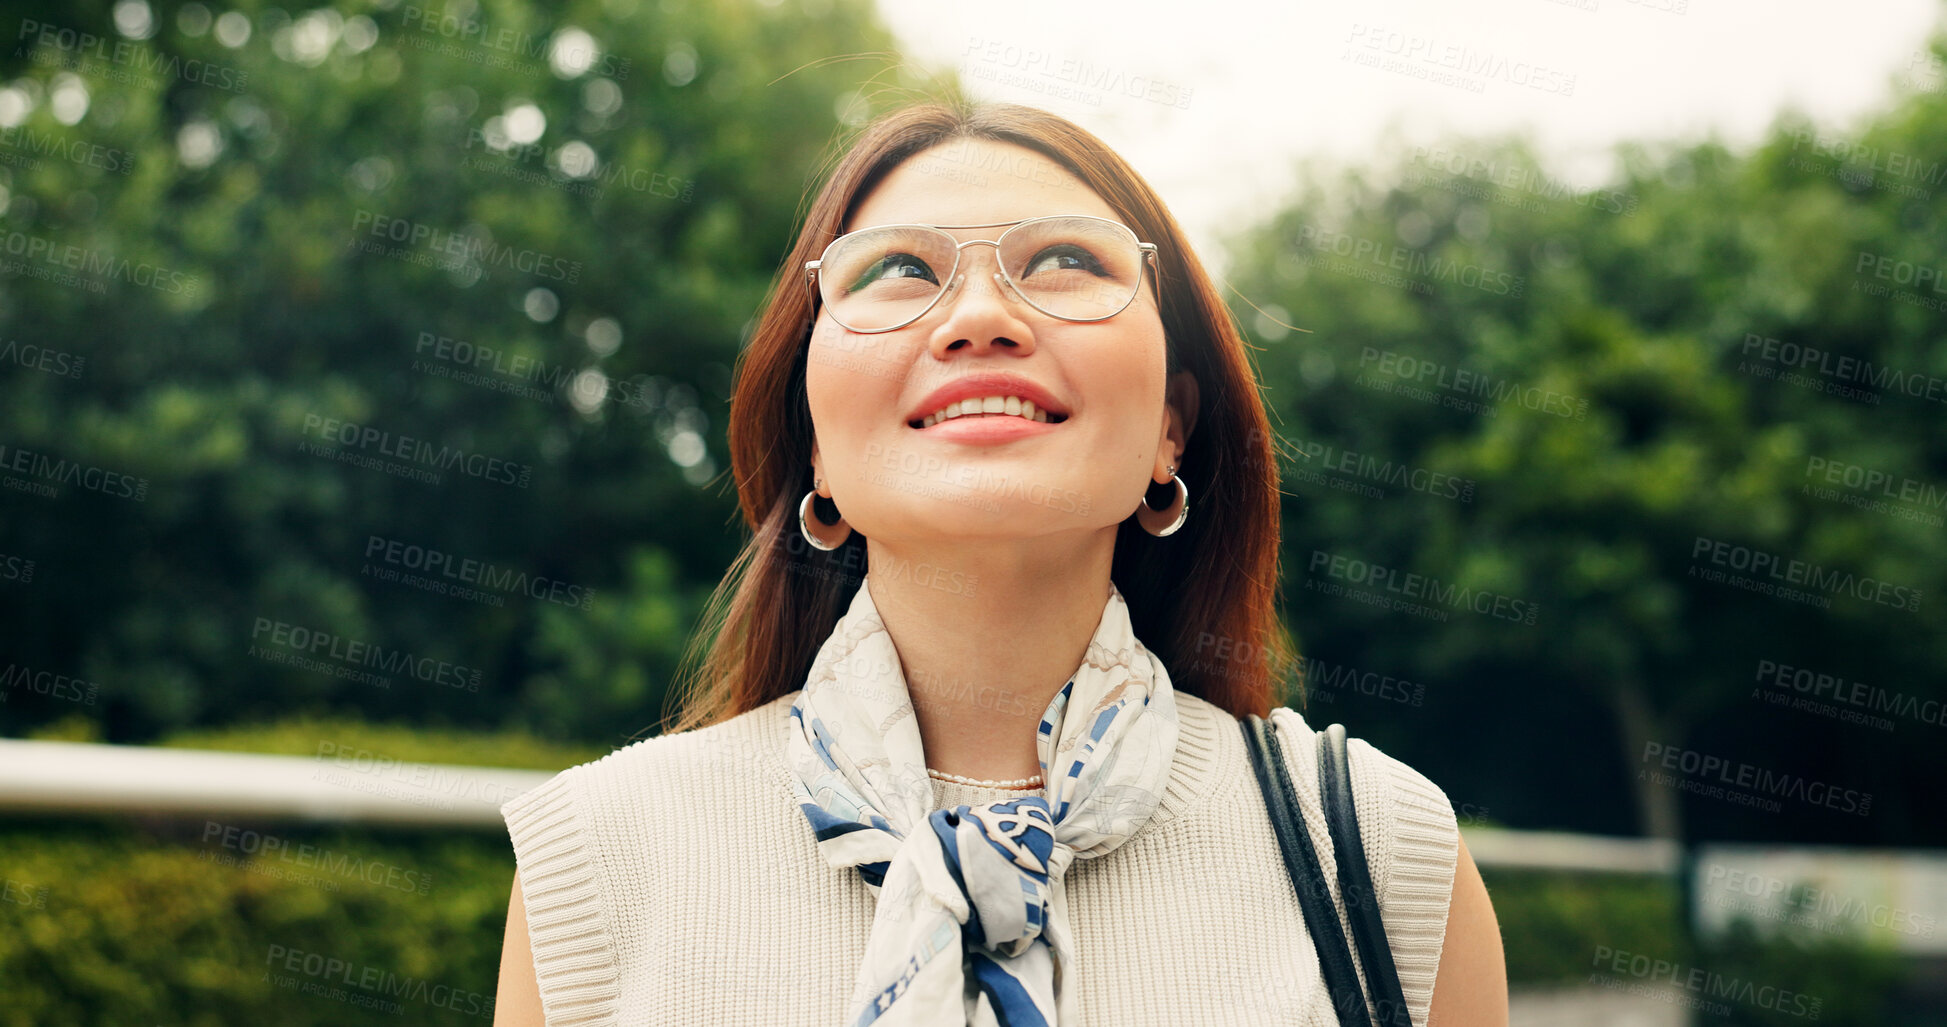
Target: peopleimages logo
{"type": "Point", "coordinates": [40, 358]}
{"type": "Point", "coordinates": [1843, 368]}
{"type": "Point", "coordinates": [1413, 50]}
{"type": "Point", "coordinates": [1870, 489]}
{"type": "Point", "coordinates": [268, 847]}
{"type": "Point", "coordinates": [86, 154]}
{"type": "Point", "coordinates": [355, 653]}
{"type": "Point", "coordinates": [102, 265]}
{"type": "Point", "coordinates": [966, 483]}
{"type": "Point", "coordinates": [1777, 569]}
{"type": "Point", "coordinates": [1462, 381]}
{"type": "Point", "coordinates": [1327, 457]}
{"type": "Point", "coordinates": [1709, 773]}
{"type": "Point", "coordinates": [375, 985]}
{"type": "Point", "coordinates": [1900, 272]}
{"type": "Point", "coordinates": [339, 762]}
{"type": "Point", "coordinates": [1394, 257]}
{"type": "Point", "coordinates": [1081, 73]}
{"type": "Point", "coordinates": [48, 683]}
{"type": "Point", "coordinates": [1863, 166]}
{"type": "Point", "coordinates": [564, 46]}
{"type": "Point", "coordinates": [54, 40]}
{"type": "Point", "coordinates": [16, 568]}
{"type": "Point", "coordinates": [590, 177]}
{"type": "Point", "coordinates": [1820, 909]}
{"type": "Point", "coordinates": [66, 472]}
{"type": "Point", "coordinates": [1700, 985]}
{"type": "Point", "coordinates": [467, 570]}
{"type": "Point", "coordinates": [1408, 585]}
{"type": "Point", "coordinates": [1518, 179]}
{"type": "Point", "coordinates": [466, 249]}
{"type": "Point", "coordinates": [1857, 701]}
{"type": "Point", "coordinates": [416, 451]}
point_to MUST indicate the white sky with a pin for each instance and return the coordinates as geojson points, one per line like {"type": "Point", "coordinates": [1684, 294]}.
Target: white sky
{"type": "Point", "coordinates": [1270, 82]}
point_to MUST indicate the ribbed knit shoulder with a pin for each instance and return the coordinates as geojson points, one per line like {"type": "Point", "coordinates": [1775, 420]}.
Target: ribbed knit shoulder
{"type": "Point", "coordinates": [574, 885]}
{"type": "Point", "coordinates": [1412, 843]}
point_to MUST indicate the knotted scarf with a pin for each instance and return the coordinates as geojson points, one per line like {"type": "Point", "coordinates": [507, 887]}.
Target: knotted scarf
{"type": "Point", "coordinates": [971, 925]}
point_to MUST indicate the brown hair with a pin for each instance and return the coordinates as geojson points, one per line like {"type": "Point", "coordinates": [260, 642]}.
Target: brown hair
{"type": "Point", "coordinates": [1203, 600]}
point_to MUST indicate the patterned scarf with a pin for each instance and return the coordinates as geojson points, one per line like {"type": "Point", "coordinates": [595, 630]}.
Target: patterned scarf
{"type": "Point", "coordinates": [972, 923]}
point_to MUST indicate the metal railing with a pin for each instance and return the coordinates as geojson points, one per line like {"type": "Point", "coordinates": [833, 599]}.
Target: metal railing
{"type": "Point", "coordinates": [78, 777]}
{"type": "Point", "coordinates": [359, 787]}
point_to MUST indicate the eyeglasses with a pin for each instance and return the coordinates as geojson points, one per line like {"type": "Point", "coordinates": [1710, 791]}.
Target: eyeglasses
{"type": "Point", "coordinates": [1072, 266]}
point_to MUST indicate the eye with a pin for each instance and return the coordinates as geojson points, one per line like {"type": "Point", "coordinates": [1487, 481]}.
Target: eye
{"type": "Point", "coordinates": [892, 266]}
{"type": "Point", "coordinates": [1063, 257]}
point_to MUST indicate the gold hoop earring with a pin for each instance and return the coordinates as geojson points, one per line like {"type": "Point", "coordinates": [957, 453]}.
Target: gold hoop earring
{"type": "Point", "coordinates": [1164, 522]}
{"type": "Point", "coordinates": [826, 538]}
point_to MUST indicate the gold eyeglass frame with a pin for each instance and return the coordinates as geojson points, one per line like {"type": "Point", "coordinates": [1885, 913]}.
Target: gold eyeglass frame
{"type": "Point", "coordinates": [953, 276]}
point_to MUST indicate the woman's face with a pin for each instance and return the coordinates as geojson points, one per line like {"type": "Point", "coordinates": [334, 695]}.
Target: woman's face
{"type": "Point", "coordinates": [1006, 477]}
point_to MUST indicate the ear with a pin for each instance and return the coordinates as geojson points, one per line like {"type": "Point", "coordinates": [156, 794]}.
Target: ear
{"type": "Point", "coordinates": [817, 466]}
{"type": "Point", "coordinates": [1180, 419]}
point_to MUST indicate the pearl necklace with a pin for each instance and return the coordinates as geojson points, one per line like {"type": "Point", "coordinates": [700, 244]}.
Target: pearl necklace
{"type": "Point", "coordinates": [1026, 782]}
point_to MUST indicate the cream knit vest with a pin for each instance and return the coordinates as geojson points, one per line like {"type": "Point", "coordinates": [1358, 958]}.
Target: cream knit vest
{"type": "Point", "coordinates": [675, 881]}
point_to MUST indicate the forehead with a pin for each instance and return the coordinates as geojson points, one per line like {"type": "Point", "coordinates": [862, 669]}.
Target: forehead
{"type": "Point", "coordinates": [976, 182]}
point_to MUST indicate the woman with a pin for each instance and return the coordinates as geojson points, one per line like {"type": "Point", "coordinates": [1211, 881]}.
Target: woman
{"type": "Point", "coordinates": [929, 774]}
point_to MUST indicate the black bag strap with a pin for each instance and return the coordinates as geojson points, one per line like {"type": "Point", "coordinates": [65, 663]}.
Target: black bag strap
{"type": "Point", "coordinates": [1355, 881]}
{"type": "Point", "coordinates": [1355, 877]}
{"type": "Point", "coordinates": [1307, 878]}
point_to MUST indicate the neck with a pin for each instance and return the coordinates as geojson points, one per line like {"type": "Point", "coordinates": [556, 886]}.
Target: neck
{"type": "Point", "coordinates": [986, 636]}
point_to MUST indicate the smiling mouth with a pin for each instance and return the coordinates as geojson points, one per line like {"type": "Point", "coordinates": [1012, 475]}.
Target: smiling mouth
{"type": "Point", "coordinates": [973, 410]}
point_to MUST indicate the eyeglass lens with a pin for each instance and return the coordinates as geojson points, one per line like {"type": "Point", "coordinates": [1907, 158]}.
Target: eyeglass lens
{"type": "Point", "coordinates": [1072, 268]}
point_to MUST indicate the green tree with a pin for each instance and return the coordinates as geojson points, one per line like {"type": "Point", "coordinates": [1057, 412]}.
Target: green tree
{"type": "Point", "coordinates": [304, 262]}
{"type": "Point", "coordinates": [1577, 403]}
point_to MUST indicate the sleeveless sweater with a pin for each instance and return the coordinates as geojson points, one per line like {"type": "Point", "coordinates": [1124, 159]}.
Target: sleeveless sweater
{"type": "Point", "coordinates": [676, 881]}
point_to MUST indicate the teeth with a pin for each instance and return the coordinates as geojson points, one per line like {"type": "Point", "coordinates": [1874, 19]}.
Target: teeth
{"type": "Point", "coordinates": [1013, 405]}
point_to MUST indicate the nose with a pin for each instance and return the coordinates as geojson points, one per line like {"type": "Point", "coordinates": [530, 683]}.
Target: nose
{"type": "Point", "coordinates": [970, 264]}
{"type": "Point", "coordinates": [981, 307]}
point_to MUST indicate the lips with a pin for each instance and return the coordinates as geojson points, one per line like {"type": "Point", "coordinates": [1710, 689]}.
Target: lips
{"type": "Point", "coordinates": [1014, 391]}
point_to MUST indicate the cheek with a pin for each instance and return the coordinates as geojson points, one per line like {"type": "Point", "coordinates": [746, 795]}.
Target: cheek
{"type": "Point", "coordinates": [852, 382]}
{"type": "Point", "coordinates": [1126, 388]}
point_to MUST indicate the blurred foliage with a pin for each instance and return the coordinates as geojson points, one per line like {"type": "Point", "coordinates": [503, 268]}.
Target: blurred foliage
{"type": "Point", "coordinates": [1840, 981]}
{"type": "Point", "coordinates": [1587, 365]}
{"type": "Point", "coordinates": [74, 727]}
{"type": "Point", "coordinates": [1553, 923]}
{"type": "Point", "coordinates": [1565, 930]}
{"type": "Point", "coordinates": [241, 158]}
{"type": "Point", "coordinates": [111, 924]}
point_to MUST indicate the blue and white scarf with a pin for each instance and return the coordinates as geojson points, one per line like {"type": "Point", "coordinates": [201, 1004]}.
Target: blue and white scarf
{"type": "Point", "coordinates": [975, 889]}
